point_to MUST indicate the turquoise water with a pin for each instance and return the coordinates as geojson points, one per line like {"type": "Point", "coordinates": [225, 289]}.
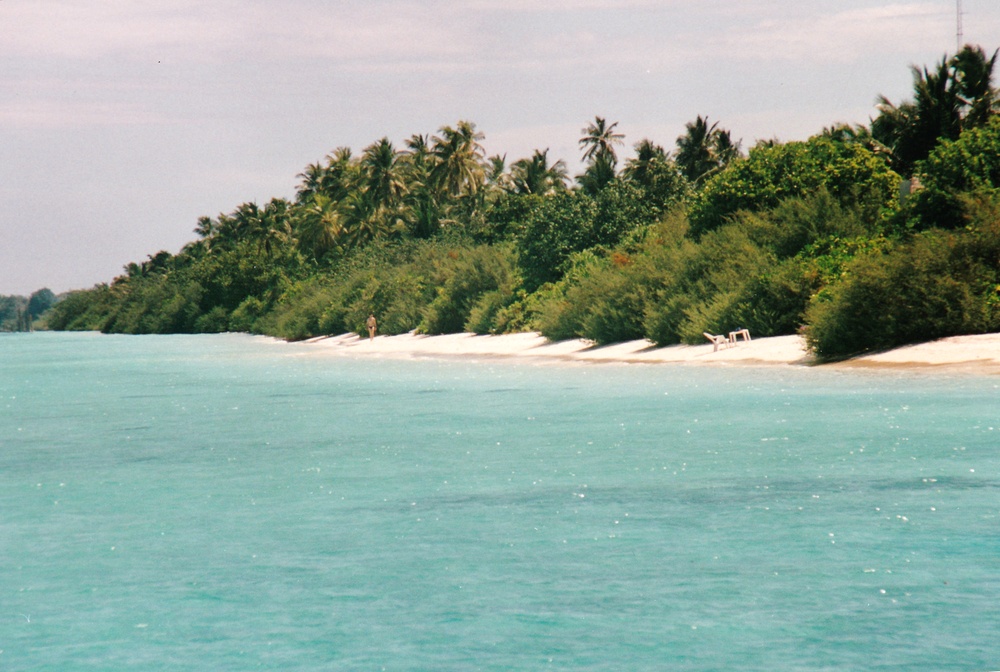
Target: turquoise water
{"type": "Point", "coordinates": [231, 503]}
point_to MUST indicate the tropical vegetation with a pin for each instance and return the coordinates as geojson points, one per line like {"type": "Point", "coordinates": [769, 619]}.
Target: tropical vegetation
{"type": "Point", "coordinates": [19, 313]}
{"type": "Point", "coordinates": [860, 237]}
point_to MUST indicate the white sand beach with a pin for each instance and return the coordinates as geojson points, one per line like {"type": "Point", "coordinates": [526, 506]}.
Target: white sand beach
{"type": "Point", "coordinates": [975, 354]}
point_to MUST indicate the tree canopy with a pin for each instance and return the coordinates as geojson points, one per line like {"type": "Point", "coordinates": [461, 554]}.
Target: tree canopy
{"type": "Point", "coordinates": [432, 235]}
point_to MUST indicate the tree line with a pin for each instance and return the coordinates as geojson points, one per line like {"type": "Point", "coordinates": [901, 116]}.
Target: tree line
{"type": "Point", "coordinates": [19, 313]}
{"type": "Point", "coordinates": [862, 237]}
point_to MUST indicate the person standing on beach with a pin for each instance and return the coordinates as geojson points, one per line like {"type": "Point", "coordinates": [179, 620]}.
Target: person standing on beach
{"type": "Point", "coordinates": [371, 324]}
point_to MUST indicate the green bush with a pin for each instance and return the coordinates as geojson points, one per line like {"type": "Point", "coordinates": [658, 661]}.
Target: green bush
{"type": "Point", "coordinates": [919, 290]}
{"type": "Point", "coordinates": [714, 279]}
{"type": "Point", "coordinates": [954, 169]}
{"type": "Point", "coordinates": [215, 321]}
{"type": "Point", "coordinates": [246, 318]}
{"type": "Point", "coordinates": [481, 280]}
{"type": "Point", "coordinates": [553, 231]}
{"type": "Point", "coordinates": [83, 310]}
{"type": "Point", "coordinates": [770, 174]}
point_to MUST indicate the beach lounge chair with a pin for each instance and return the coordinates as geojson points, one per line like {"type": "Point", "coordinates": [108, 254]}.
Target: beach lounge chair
{"type": "Point", "coordinates": [717, 340]}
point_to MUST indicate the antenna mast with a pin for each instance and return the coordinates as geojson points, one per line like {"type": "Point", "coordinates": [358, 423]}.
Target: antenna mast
{"type": "Point", "coordinates": [958, 31]}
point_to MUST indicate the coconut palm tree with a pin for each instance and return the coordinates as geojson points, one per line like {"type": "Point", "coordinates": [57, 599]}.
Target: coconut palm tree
{"type": "Point", "coordinates": [364, 220]}
{"type": "Point", "coordinates": [654, 171]}
{"type": "Point", "coordinates": [598, 174]}
{"type": "Point", "coordinates": [599, 140]}
{"type": "Point", "coordinates": [974, 80]}
{"type": "Point", "coordinates": [310, 181]}
{"type": "Point", "coordinates": [418, 150]}
{"type": "Point", "coordinates": [956, 94]}
{"type": "Point", "coordinates": [205, 227]}
{"type": "Point", "coordinates": [277, 225]}
{"type": "Point", "coordinates": [318, 226]}
{"type": "Point", "coordinates": [383, 174]}
{"type": "Point", "coordinates": [498, 179]}
{"type": "Point", "coordinates": [335, 178]}
{"type": "Point", "coordinates": [459, 163]}
{"type": "Point", "coordinates": [704, 149]}
{"type": "Point", "coordinates": [536, 176]}
{"type": "Point", "coordinates": [640, 168]}
{"type": "Point", "coordinates": [419, 205]}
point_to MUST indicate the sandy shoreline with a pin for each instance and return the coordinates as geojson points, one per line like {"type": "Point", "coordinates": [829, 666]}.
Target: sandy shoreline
{"type": "Point", "coordinates": [971, 354]}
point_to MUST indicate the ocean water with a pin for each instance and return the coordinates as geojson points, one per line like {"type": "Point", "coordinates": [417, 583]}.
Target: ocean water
{"type": "Point", "coordinates": [233, 503]}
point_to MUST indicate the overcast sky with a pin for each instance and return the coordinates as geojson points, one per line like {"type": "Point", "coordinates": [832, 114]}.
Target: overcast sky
{"type": "Point", "coordinates": [123, 121]}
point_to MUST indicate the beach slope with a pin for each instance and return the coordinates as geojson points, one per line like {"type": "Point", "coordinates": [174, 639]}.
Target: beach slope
{"type": "Point", "coordinates": [979, 354]}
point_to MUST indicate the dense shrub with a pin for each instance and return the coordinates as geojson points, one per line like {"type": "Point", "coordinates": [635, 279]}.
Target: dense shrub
{"type": "Point", "coordinates": [968, 165]}
{"type": "Point", "coordinates": [555, 230]}
{"type": "Point", "coordinates": [774, 173]}
{"type": "Point", "coordinates": [479, 279]}
{"type": "Point", "coordinates": [83, 310]}
{"type": "Point", "coordinates": [937, 284]}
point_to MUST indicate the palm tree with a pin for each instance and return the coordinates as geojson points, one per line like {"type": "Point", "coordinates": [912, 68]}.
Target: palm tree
{"type": "Point", "coordinates": [310, 181]}
{"type": "Point", "coordinates": [598, 174]}
{"type": "Point", "coordinates": [246, 223]}
{"type": "Point", "coordinates": [458, 168]}
{"type": "Point", "coordinates": [725, 149]}
{"type": "Point", "coordinates": [269, 228]}
{"type": "Point", "coordinates": [418, 151]}
{"type": "Point", "coordinates": [416, 161]}
{"type": "Point", "coordinates": [382, 174]}
{"type": "Point", "coordinates": [318, 226]}
{"type": "Point", "coordinates": [704, 149]}
{"type": "Point", "coordinates": [974, 80]}
{"type": "Point", "coordinates": [536, 176]}
{"type": "Point", "coordinates": [955, 95]}
{"type": "Point", "coordinates": [335, 178]}
{"type": "Point", "coordinates": [653, 170]}
{"type": "Point", "coordinates": [642, 167]}
{"type": "Point", "coordinates": [497, 177]}
{"type": "Point", "coordinates": [364, 220]}
{"type": "Point", "coordinates": [205, 228]}
{"type": "Point", "coordinates": [277, 226]}
{"type": "Point", "coordinates": [599, 141]}
{"type": "Point", "coordinates": [420, 206]}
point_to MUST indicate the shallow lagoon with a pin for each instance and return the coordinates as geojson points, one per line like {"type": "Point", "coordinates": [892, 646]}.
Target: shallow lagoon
{"type": "Point", "coordinates": [228, 502]}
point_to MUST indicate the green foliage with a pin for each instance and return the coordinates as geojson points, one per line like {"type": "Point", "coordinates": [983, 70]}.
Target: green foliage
{"type": "Point", "coordinates": [83, 310]}
{"type": "Point", "coordinates": [572, 222]}
{"type": "Point", "coordinates": [472, 289]}
{"type": "Point", "coordinates": [552, 232]}
{"type": "Point", "coordinates": [796, 224]}
{"type": "Point", "coordinates": [955, 96]}
{"type": "Point", "coordinates": [774, 302]}
{"type": "Point", "coordinates": [715, 280]}
{"type": "Point", "coordinates": [435, 286]}
{"type": "Point", "coordinates": [610, 297]}
{"type": "Point", "coordinates": [936, 284]}
{"type": "Point", "coordinates": [12, 309]}
{"type": "Point", "coordinates": [970, 164]}
{"type": "Point", "coordinates": [774, 173]}
{"type": "Point", "coordinates": [40, 301]}
{"type": "Point", "coordinates": [507, 216]}
{"type": "Point", "coordinates": [621, 209]}
{"type": "Point", "coordinates": [798, 235]}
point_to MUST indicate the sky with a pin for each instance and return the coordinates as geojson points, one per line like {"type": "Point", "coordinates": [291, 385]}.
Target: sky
{"type": "Point", "coordinates": [123, 121]}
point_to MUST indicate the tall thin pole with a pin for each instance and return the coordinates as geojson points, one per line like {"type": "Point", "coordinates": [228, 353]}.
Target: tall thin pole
{"type": "Point", "coordinates": [958, 31]}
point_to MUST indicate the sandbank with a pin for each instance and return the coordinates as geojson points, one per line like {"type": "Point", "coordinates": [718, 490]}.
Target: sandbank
{"type": "Point", "coordinates": [972, 354]}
